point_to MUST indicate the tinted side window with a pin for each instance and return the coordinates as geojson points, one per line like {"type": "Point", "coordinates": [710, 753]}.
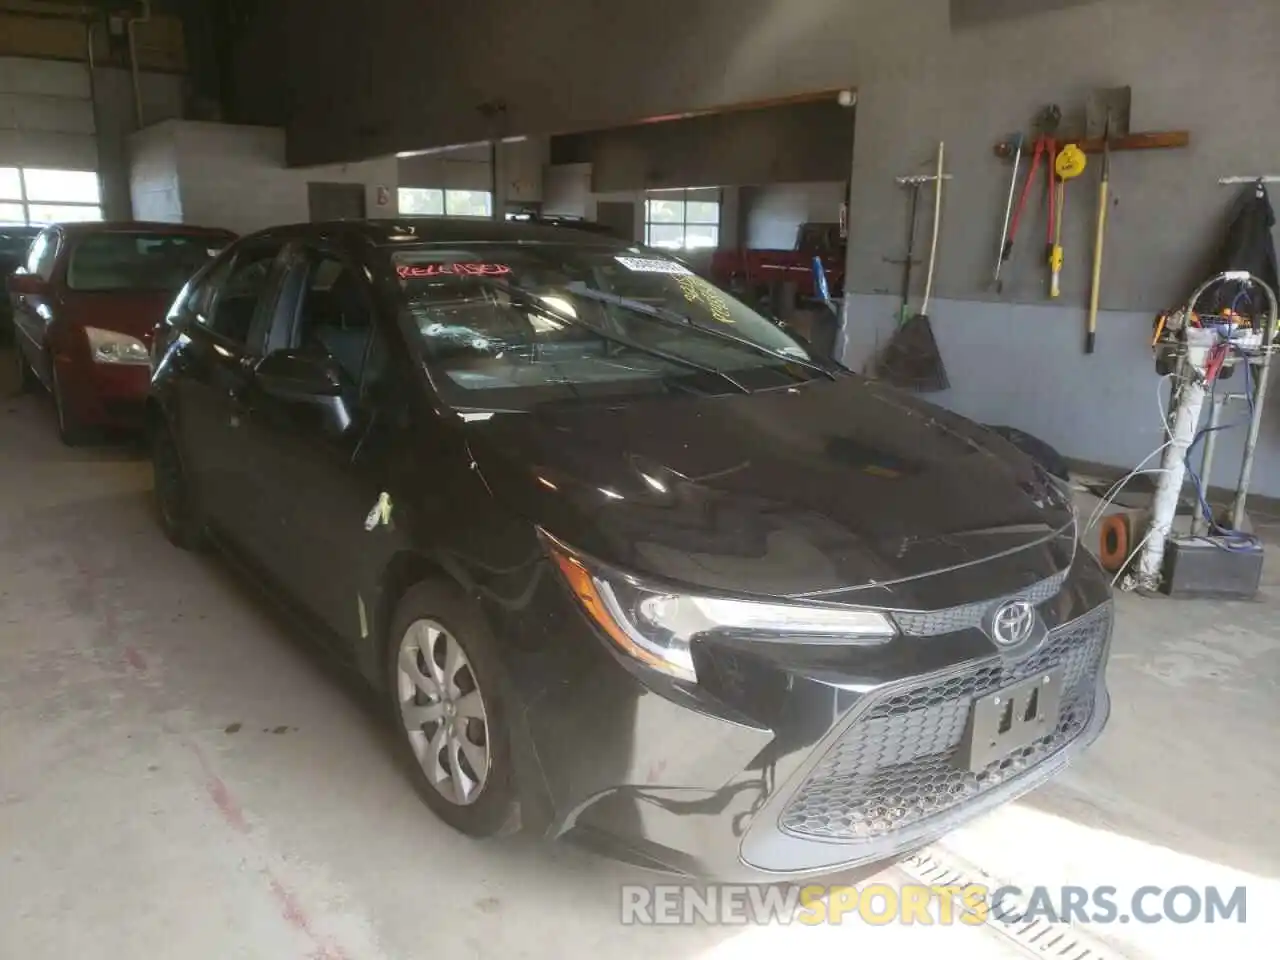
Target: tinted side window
{"type": "Point", "coordinates": [43, 252]}
{"type": "Point", "coordinates": [234, 292]}
{"type": "Point", "coordinates": [335, 316]}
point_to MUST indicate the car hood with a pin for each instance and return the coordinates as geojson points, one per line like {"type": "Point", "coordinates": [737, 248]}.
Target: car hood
{"type": "Point", "coordinates": [822, 488]}
{"type": "Point", "coordinates": [131, 312]}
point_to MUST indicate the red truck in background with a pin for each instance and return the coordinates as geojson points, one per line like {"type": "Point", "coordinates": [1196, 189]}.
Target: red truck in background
{"type": "Point", "coordinates": [758, 276]}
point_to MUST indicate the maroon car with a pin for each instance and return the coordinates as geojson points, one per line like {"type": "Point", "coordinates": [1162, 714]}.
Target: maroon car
{"type": "Point", "coordinates": [84, 305]}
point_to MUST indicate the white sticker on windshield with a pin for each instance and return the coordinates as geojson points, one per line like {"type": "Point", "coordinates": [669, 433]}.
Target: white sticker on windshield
{"type": "Point", "coordinates": [642, 265]}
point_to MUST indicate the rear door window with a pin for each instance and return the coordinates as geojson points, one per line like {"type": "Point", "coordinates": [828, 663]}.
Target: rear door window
{"type": "Point", "coordinates": [236, 292]}
{"type": "Point", "coordinates": [335, 315]}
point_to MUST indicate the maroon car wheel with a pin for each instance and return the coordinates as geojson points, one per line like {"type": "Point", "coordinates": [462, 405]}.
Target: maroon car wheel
{"type": "Point", "coordinates": [27, 379]}
{"type": "Point", "coordinates": [70, 430]}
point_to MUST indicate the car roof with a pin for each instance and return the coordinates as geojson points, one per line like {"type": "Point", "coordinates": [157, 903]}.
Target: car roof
{"type": "Point", "coordinates": [410, 230]}
{"type": "Point", "coordinates": [134, 226]}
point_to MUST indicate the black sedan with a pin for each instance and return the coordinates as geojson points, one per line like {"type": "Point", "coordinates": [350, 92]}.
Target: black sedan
{"type": "Point", "coordinates": [628, 564]}
{"type": "Point", "coordinates": [15, 241]}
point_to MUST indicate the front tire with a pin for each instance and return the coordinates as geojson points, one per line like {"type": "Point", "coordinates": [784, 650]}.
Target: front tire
{"type": "Point", "coordinates": [70, 431]}
{"type": "Point", "coordinates": [179, 509]}
{"type": "Point", "coordinates": [448, 702]}
{"type": "Point", "coordinates": [27, 379]}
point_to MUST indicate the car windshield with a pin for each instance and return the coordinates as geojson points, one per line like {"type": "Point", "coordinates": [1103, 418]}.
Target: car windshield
{"type": "Point", "coordinates": [509, 325]}
{"type": "Point", "coordinates": [122, 260]}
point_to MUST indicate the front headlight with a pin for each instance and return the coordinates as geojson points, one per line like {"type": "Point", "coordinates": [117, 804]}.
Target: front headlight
{"type": "Point", "coordinates": [657, 627]}
{"type": "Point", "coordinates": [109, 346]}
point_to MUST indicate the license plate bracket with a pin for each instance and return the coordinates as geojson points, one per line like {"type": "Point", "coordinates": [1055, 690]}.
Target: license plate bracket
{"type": "Point", "coordinates": [1011, 718]}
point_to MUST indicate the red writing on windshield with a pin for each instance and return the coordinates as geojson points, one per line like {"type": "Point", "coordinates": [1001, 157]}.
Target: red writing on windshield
{"type": "Point", "coordinates": [417, 271]}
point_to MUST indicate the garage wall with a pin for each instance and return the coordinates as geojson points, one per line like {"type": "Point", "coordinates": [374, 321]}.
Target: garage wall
{"type": "Point", "coordinates": [46, 115]}
{"type": "Point", "coordinates": [163, 98]}
{"type": "Point", "coordinates": [154, 186]}
{"type": "Point", "coordinates": [1020, 358]}
{"type": "Point", "coordinates": [225, 175]}
{"type": "Point", "coordinates": [48, 119]}
{"type": "Point", "coordinates": [772, 214]}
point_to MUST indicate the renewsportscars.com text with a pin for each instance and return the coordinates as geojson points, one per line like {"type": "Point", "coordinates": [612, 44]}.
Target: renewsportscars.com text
{"type": "Point", "coordinates": [882, 904]}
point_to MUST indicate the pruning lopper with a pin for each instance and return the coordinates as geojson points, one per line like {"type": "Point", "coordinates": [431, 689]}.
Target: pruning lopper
{"type": "Point", "coordinates": [1045, 150]}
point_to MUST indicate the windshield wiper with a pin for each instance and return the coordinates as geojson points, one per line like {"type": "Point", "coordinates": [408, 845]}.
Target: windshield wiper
{"type": "Point", "coordinates": [532, 299]}
{"type": "Point", "coordinates": [675, 318]}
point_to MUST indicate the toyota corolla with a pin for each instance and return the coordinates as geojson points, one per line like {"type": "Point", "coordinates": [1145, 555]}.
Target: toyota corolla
{"type": "Point", "coordinates": [627, 562]}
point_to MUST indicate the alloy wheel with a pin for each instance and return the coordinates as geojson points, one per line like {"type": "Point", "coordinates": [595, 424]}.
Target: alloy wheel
{"type": "Point", "coordinates": [443, 711]}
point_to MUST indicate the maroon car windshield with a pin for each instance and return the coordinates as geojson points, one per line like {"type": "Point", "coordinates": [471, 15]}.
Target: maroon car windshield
{"type": "Point", "coordinates": [127, 260]}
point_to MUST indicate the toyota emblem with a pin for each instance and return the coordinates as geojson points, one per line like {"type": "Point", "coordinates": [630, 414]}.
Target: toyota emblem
{"type": "Point", "coordinates": [1013, 623]}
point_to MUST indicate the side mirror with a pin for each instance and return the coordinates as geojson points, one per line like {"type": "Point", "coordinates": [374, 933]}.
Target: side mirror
{"type": "Point", "coordinates": [292, 375]}
{"type": "Point", "coordinates": [28, 284]}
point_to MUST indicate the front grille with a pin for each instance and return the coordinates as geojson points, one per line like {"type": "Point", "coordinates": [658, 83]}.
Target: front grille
{"type": "Point", "coordinates": [896, 764]}
{"type": "Point", "coordinates": [933, 623]}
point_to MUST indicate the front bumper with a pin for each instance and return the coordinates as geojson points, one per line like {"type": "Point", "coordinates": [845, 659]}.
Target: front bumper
{"type": "Point", "coordinates": [794, 762]}
{"type": "Point", "coordinates": [103, 394]}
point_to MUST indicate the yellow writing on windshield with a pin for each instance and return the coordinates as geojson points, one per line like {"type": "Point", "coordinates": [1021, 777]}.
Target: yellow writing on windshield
{"type": "Point", "coordinates": [698, 290]}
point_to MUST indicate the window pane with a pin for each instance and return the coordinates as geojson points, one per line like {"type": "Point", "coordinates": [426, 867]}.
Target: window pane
{"type": "Point", "coordinates": [62, 186]}
{"type": "Point", "coordinates": [416, 201]}
{"type": "Point", "coordinates": [669, 236]}
{"type": "Point", "coordinates": [701, 236]}
{"type": "Point", "coordinates": [12, 213]}
{"type": "Point", "coordinates": [10, 188]}
{"type": "Point", "coordinates": [56, 213]}
{"type": "Point", "coordinates": [335, 320]}
{"type": "Point", "coordinates": [468, 203]}
{"type": "Point", "coordinates": [664, 211]}
{"type": "Point", "coordinates": [237, 292]}
{"type": "Point", "coordinates": [702, 211]}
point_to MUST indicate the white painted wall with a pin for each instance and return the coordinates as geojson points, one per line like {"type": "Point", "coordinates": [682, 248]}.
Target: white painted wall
{"type": "Point", "coordinates": [154, 185]}
{"type": "Point", "coordinates": [235, 176]}
{"type": "Point", "coordinates": [773, 213]}
{"type": "Point", "coordinates": [566, 190]}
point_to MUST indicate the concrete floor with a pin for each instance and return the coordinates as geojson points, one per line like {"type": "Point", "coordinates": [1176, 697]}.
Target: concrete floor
{"type": "Point", "coordinates": [182, 775]}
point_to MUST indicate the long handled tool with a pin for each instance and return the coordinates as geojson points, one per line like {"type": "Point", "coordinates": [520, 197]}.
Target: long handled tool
{"type": "Point", "coordinates": [1014, 146]}
{"type": "Point", "coordinates": [1100, 239]}
{"type": "Point", "coordinates": [937, 224]}
{"type": "Point", "coordinates": [1068, 165]}
{"type": "Point", "coordinates": [911, 359]}
{"type": "Point", "coordinates": [914, 186]}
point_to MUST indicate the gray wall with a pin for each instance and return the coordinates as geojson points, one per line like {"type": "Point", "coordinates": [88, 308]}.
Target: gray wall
{"type": "Point", "coordinates": [772, 214]}
{"type": "Point", "coordinates": [1167, 205]}
{"type": "Point", "coordinates": [1019, 358]}
{"type": "Point", "coordinates": [374, 72]}
{"type": "Point", "coordinates": [812, 141]}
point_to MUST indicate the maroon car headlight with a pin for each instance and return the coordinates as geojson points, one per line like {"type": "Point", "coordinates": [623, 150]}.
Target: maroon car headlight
{"type": "Point", "coordinates": [658, 626]}
{"type": "Point", "coordinates": [110, 346]}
